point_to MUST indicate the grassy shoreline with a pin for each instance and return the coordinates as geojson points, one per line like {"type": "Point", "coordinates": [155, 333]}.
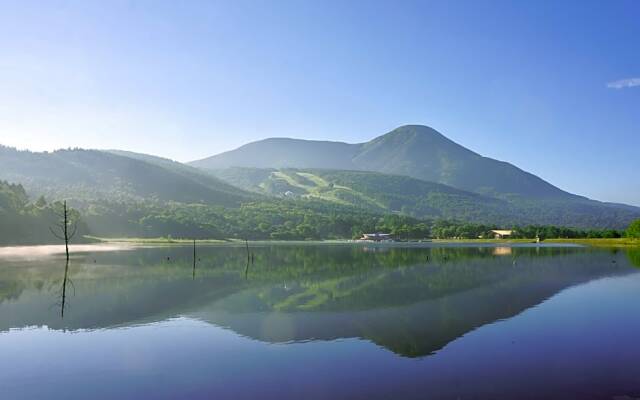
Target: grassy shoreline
{"type": "Point", "coordinates": [619, 242]}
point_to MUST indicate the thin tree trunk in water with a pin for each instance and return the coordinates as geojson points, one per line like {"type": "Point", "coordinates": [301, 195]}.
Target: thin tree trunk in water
{"type": "Point", "coordinates": [194, 259]}
{"type": "Point", "coordinates": [246, 270]}
{"type": "Point", "coordinates": [66, 234]}
{"type": "Point", "coordinates": [64, 287]}
{"type": "Point", "coordinates": [63, 234]}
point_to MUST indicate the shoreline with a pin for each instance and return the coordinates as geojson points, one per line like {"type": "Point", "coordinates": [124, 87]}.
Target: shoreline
{"type": "Point", "coordinates": [598, 242]}
{"type": "Point", "coordinates": [97, 242]}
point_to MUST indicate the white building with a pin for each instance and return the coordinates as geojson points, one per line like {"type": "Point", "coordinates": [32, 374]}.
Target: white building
{"type": "Point", "coordinates": [502, 234]}
{"type": "Point", "coordinates": [377, 237]}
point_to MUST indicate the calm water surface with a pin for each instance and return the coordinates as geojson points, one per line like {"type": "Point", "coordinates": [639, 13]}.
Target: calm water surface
{"type": "Point", "coordinates": [321, 321]}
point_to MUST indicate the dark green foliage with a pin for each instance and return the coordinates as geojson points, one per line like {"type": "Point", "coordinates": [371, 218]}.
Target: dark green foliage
{"type": "Point", "coordinates": [633, 231]}
{"type": "Point", "coordinates": [451, 229]}
{"type": "Point", "coordinates": [384, 193]}
{"type": "Point", "coordinates": [277, 220]}
{"type": "Point", "coordinates": [24, 223]}
{"type": "Point", "coordinates": [290, 220]}
{"type": "Point", "coordinates": [12, 197]}
{"type": "Point", "coordinates": [559, 232]}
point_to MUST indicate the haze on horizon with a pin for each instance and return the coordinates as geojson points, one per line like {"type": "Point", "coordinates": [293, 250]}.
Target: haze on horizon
{"type": "Point", "coordinates": [553, 88]}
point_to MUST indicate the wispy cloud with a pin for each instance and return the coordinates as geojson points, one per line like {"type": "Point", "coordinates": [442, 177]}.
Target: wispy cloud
{"type": "Point", "coordinates": [624, 83]}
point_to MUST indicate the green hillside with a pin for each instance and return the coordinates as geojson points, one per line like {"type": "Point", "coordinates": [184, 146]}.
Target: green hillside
{"type": "Point", "coordinates": [421, 199]}
{"type": "Point", "coordinates": [372, 191]}
{"type": "Point", "coordinates": [89, 175]}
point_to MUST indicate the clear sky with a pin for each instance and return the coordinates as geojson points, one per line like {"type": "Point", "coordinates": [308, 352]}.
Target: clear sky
{"type": "Point", "coordinates": [552, 87]}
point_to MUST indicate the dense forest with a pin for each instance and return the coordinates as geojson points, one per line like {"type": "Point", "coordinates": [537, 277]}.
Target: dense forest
{"type": "Point", "coordinates": [23, 222]}
{"type": "Point", "coordinates": [26, 222]}
{"type": "Point", "coordinates": [384, 193]}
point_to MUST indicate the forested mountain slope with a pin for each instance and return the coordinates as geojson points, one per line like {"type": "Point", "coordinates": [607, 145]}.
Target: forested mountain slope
{"type": "Point", "coordinates": [372, 191]}
{"type": "Point", "coordinates": [87, 175]}
{"type": "Point", "coordinates": [421, 199]}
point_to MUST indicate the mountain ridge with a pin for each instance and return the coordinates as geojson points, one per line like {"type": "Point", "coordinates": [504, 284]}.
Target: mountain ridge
{"type": "Point", "coordinates": [425, 154]}
{"type": "Point", "coordinates": [412, 150]}
{"type": "Point", "coordinates": [96, 174]}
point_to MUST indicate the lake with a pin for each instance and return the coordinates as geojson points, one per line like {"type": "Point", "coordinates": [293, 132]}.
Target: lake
{"type": "Point", "coordinates": [305, 321]}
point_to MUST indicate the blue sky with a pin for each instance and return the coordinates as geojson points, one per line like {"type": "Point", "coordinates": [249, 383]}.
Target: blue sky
{"type": "Point", "coordinates": [547, 86]}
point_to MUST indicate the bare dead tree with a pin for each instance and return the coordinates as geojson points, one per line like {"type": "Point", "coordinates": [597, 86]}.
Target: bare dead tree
{"type": "Point", "coordinates": [246, 242]}
{"type": "Point", "coordinates": [65, 228]}
{"type": "Point", "coordinates": [194, 259]}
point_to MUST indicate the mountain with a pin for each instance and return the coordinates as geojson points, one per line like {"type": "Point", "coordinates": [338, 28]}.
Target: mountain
{"type": "Point", "coordinates": [412, 150]}
{"type": "Point", "coordinates": [373, 191]}
{"type": "Point", "coordinates": [424, 154]}
{"type": "Point", "coordinates": [86, 175]}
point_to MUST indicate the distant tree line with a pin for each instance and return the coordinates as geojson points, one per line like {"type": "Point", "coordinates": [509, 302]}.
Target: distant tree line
{"type": "Point", "coordinates": [634, 230]}
{"type": "Point", "coordinates": [453, 229]}
{"type": "Point", "coordinates": [295, 220]}
{"type": "Point", "coordinates": [22, 221]}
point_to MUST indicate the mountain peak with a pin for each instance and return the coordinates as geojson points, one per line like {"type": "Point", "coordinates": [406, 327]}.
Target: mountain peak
{"type": "Point", "coordinates": [415, 129]}
{"type": "Point", "coordinates": [408, 132]}
{"type": "Point", "coordinates": [417, 151]}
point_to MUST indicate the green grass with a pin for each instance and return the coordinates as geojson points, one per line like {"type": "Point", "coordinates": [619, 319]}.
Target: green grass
{"type": "Point", "coordinates": [620, 242]}
{"type": "Point", "coordinates": [323, 190]}
{"type": "Point", "coordinates": [505, 241]}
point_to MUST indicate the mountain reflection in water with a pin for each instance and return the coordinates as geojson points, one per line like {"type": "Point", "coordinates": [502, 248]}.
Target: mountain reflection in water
{"type": "Point", "coordinates": [411, 301]}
